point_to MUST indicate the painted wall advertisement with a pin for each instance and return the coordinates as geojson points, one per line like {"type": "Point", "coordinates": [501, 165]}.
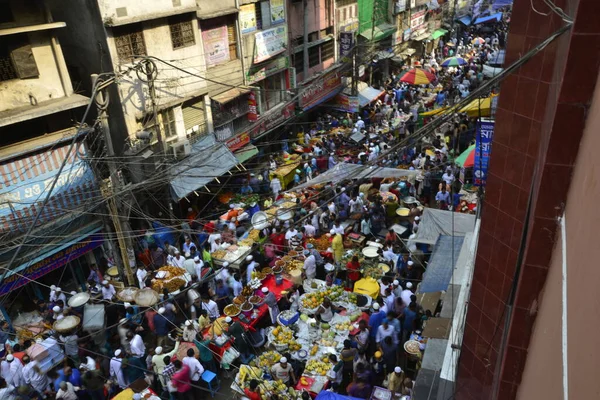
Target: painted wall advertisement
{"type": "Point", "coordinates": [277, 11]}
{"type": "Point", "coordinates": [483, 149]}
{"type": "Point", "coordinates": [270, 42]}
{"type": "Point", "coordinates": [345, 102]}
{"type": "Point", "coordinates": [346, 44]}
{"type": "Point", "coordinates": [417, 19]}
{"type": "Point", "coordinates": [216, 45]}
{"type": "Point", "coordinates": [247, 18]}
{"type": "Point", "coordinates": [49, 264]}
{"type": "Point", "coordinates": [320, 90]}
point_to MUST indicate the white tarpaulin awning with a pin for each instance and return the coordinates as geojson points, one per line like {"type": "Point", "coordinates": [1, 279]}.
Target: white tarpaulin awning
{"type": "Point", "coordinates": [440, 222]}
{"type": "Point", "coordinates": [208, 160]}
{"type": "Point", "coordinates": [344, 171]}
{"type": "Point", "coordinates": [368, 94]}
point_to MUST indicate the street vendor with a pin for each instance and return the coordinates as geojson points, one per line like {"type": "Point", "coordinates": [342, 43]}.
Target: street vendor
{"type": "Point", "coordinates": [310, 265]}
{"type": "Point", "coordinates": [325, 310]}
{"type": "Point", "coordinates": [252, 392]}
{"type": "Point", "coordinates": [337, 245]}
{"type": "Point", "coordinates": [271, 302]}
{"type": "Point", "coordinates": [282, 371]}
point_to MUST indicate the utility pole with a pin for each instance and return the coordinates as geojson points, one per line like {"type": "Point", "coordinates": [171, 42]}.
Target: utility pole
{"type": "Point", "coordinates": [110, 189]}
{"type": "Point", "coordinates": [306, 64]}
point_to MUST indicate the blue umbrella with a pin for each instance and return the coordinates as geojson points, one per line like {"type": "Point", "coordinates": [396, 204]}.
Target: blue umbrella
{"type": "Point", "coordinates": [454, 62]}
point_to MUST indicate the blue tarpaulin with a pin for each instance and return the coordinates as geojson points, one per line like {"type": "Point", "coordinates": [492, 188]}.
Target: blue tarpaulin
{"type": "Point", "coordinates": [325, 395]}
{"type": "Point", "coordinates": [367, 95]}
{"type": "Point", "coordinates": [465, 20]}
{"type": "Point", "coordinates": [501, 3]}
{"type": "Point", "coordinates": [494, 17]}
{"type": "Point", "coordinates": [442, 263]}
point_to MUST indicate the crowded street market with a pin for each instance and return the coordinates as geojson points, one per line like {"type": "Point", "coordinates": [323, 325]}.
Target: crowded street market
{"type": "Point", "coordinates": [305, 280]}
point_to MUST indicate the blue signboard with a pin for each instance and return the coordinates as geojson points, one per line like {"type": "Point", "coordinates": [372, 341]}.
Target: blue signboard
{"type": "Point", "coordinates": [346, 44]}
{"type": "Point", "coordinates": [483, 149]}
{"type": "Point", "coordinates": [50, 263]}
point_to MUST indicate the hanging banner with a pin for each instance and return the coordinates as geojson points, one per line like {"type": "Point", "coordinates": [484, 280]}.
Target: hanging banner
{"type": "Point", "coordinates": [50, 263]}
{"type": "Point", "coordinates": [344, 102]}
{"type": "Point", "coordinates": [247, 18]}
{"type": "Point", "coordinates": [277, 11]}
{"type": "Point", "coordinates": [216, 45]}
{"type": "Point", "coordinates": [320, 90]}
{"type": "Point", "coordinates": [270, 42]}
{"type": "Point", "coordinates": [346, 44]}
{"type": "Point", "coordinates": [252, 114]}
{"type": "Point", "coordinates": [483, 149]}
{"type": "Point", "coordinates": [238, 142]}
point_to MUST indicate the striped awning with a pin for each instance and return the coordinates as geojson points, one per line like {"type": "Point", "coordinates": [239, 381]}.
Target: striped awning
{"type": "Point", "coordinates": [25, 182]}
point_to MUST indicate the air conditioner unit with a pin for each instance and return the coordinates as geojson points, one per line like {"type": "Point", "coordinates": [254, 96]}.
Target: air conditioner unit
{"type": "Point", "coordinates": [181, 148]}
{"type": "Point", "coordinates": [141, 164]}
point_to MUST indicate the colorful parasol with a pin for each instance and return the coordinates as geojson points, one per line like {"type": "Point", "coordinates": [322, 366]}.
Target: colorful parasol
{"type": "Point", "coordinates": [417, 76]}
{"type": "Point", "coordinates": [467, 158]}
{"type": "Point", "coordinates": [454, 62]}
{"type": "Point", "coordinates": [478, 41]}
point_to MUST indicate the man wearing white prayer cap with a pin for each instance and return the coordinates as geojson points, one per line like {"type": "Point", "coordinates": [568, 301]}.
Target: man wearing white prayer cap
{"type": "Point", "coordinates": [271, 302]}
{"type": "Point", "coordinates": [396, 380]}
{"type": "Point", "coordinates": [406, 293]}
{"type": "Point", "coordinates": [282, 371]}
{"type": "Point", "coordinates": [116, 369]}
{"type": "Point", "coordinates": [250, 269]}
{"type": "Point", "coordinates": [158, 362]}
{"type": "Point", "coordinates": [189, 331]}
{"type": "Point", "coordinates": [108, 291]}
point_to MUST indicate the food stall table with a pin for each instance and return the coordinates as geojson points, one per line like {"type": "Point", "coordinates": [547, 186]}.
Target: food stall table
{"type": "Point", "coordinates": [315, 384]}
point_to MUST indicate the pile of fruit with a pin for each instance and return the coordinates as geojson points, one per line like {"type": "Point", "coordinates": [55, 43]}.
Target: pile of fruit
{"type": "Point", "coordinates": [322, 243]}
{"type": "Point", "coordinates": [269, 388]}
{"type": "Point", "coordinates": [267, 359]}
{"type": "Point", "coordinates": [344, 326]}
{"type": "Point", "coordinates": [314, 300]}
{"type": "Point", "coordinates": [247, 373]}
{"type": "Point", "coordinates": [317, 367]}
{"type": "Point", "coordinates": [284, 336]}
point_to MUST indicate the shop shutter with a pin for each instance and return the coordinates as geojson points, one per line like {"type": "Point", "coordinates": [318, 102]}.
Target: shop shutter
{"type": "Point", "coordinates": [193, 115]}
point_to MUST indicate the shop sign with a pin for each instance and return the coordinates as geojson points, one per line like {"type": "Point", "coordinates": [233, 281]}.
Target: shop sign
{"type": "Point", "coordinates": [50, 263]}
{"type": "Point", "coordinates": [270, 42]}
{"type": "Point", "coordinates": [319, 89]}
{"type": "Point", "coordinates": [406, 35]}
{"type": "Point", "coordinates": [483, 149]}
{"type": "Point", "coordinates": [252, 114]}
{"type": "Point", "coordinates": [417, 19]}
{"type": "Point", "coordinates": [413, 3]}
{"type": "Point", "coordinates": [269, 69]}
{"type": "Point", "coordinates": [271, 120]}
{"type": "Point", "coordinates": [345, 103]}
{"type": "Point", "coordinates": [247, 18]}
{"type": "Point", "coordinates": [238, 142]}
{"type": "Point", "coordinates": [397, 38]}
{"type": "Point", "coordinates": [349, 27]}
{"type": "Point", "coordinates": [277, 11]}
{"type": "Point", "coordinates": [216, 45]}
{"type": "Point", "coordinates": [346, 44]}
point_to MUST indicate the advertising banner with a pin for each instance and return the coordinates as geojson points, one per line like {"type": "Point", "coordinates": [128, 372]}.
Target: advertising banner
{"type": "Point", "coordinates": [345, 102]}
{"type": "Point", "coordinates": [238, 142]}
{"type": "Point", "coordinates": [277, 11]}
{"type": "Point", "coordinates": [50, 263]}
{"type": "Point", "coordinates": [247, 18]}
{"type": "Point", "coordinates": [320, 90]}
{"type": "Point", "coordinates": [252, 113]}
{"type": "Point", "coordinates": [272, 119]}
{"type": "Point", "coordinates": [483, 149]}
{"type": "Point", "coordinates": [346, 44]}
{"type": "Point", "coordinates": [270, 42]}
{"type": "Point", "coordinates": [216, 45]}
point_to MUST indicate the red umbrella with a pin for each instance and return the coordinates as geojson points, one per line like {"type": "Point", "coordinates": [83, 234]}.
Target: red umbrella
{"type": "Point", "coordinates": [418, 76]}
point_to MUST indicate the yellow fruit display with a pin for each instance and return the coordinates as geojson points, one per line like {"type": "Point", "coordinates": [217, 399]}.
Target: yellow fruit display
{"type": "Point", "coordinates": [344, 326]}
{"type": "Point", "coordinates": [314, 300]}
{"type": "Point", "coordinates": [314, 350]}
{"type": "Point", "coordinates": [284, 336]}
{"type": "Point", "coordinates": [317, 367]}
{"type": "Point", "coordinates": [267, 359]}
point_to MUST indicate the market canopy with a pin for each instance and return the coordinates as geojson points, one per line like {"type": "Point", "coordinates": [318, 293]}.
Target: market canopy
{"type": "Point", "coordinates": [479, 107]}
{"type": "Point", "coordinates": [465, 20]}
{"type": "Point", "coordinates": [442, 263]}
{"type": "Point", "coordinates": [368, 94]}
{"type": "Point", "coordinates": [490, 18]}
{"type": "Point", "coordinates": [379, 32]}
{"type": "Point", "coordinates": [326, 395]}
{"type": "Point", "coordinates": [501, 3]}
{"type": "Point", "coordinates": [438, 33]}
{"type": "Point", "coordinates": [344, 171]}
{"type": "Point", "coordinates": [209, 159]}
{"type": "Point", "coordinates": [440, 222]}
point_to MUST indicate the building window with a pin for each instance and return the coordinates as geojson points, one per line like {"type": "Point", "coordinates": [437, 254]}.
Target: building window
{"type": "Point", "coordinates": [272, 91]}
{"type": "Point", "coordinates": [129, 40]}
{"type": "Point", "coordinates": [313, 56]}
{"type": "Point", "coordinates": [16, 59]}
{"type": "Point", "coordinates": [182, 32]}
{"type": "Point", "coordinates": [259, 16]}
{"type": "Point", "coordinates": [168, 123]}
{"type": "Point", "coordinates": [299, 62]}
{"type": "Point", "coordinates": [232, 37]}
{"type": "Point", "coordinates": [327, 50]}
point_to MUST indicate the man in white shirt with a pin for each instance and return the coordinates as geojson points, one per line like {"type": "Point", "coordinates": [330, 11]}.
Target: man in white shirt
{"type": "Point", "coordinates": [116, 369]}
{"type": "Point", "coordinates": [448, 177]}
{"type": "Point", "coordinates": [385, 330]}
{"type": "Point", "coordinates": [198, 265]}
{"type": "Point", "coordinates": [406, 293]}
{"type": "Point", "coordinates": [290, 233]}
{"type": "Point", "coordinates": [58, 295]}
{"type": "Point", "coordinates": [141, 274]}
{"type": "Point", "coordinates": [33, 375]}
{"type": "Point", "coordinates": [108, 291]}
{"type": "Point", "coordinates": [390, 299]}
{"type": "Point", "coordinates": [309, 230]}
{"type": "Point", "coordinates": [136, 345]}
{"type": "Point", "coordinates": [66, 391]}
{"type": "Point", "coordinates": [236, 285]}
{"type": "Point", "coordinates": [224, 274]}
{"type": "Point", "coordinates": [177, 260]}
{"type": "Point", "coordinates": [389, 255]}
{"type": "Point", "coordinates": [211, 307]}
{"type": "Point", "coordinates": [250, 269]}
{"type": "Point", "coordinates": [196, 371]}
{"type": "Point", "coordinates": [13, 375]}
{"type": "Point", "coordinates": [360, 124]}
{"type": "Point", "coordinates": [310, 265]}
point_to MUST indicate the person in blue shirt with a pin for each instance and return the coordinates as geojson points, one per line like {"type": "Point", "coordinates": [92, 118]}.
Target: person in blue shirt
{"type": "Point", "coordinates": [408, 325]}
{"type": "Point", "coordinates": [132, 313]}
{"type": "Point", "coordinates": [402, 262]}
{"type": "Point", "coordinates": [246, 189]}
{"type": "Point", "coordinates": [68, 374]}
{"type": "Point", "coordinates": [440, 98]}
{"type": "Point", "coordinates": [297, 177]}
{"type": "Point", "coordinates": [375, 320]}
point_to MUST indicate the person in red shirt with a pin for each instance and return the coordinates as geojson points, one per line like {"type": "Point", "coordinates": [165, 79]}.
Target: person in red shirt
{"type": "Point", "coordinates": [278, 240]}
{"type": "Point", "coordinates": [209, 227]}
{"type": "Point", "coordinates": [252, 392]}
{"type": "Point", "coordinates": [353, 268]}
{"type": "Point", "coordinates": [181, 381]}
